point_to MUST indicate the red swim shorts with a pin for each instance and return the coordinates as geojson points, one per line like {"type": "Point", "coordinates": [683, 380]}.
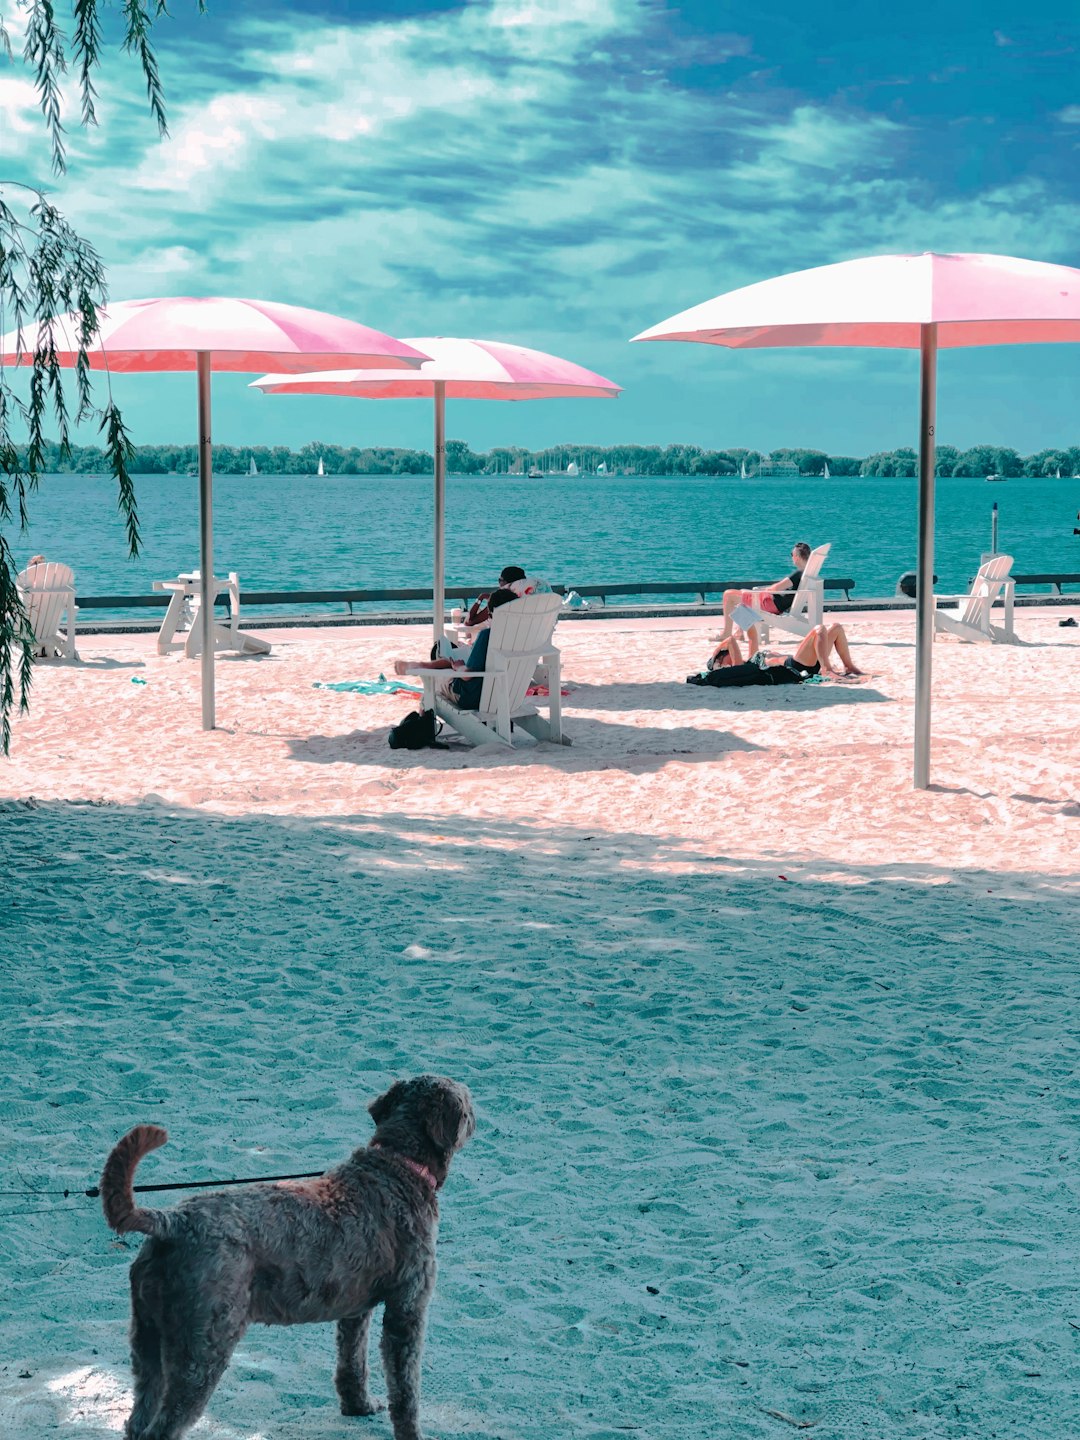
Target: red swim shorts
{"type": "Point", "coordinates": [762, 602]}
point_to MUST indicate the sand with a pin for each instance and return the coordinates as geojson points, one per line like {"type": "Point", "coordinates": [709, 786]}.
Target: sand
{"type": "Point", "coordinates": [775, 1060]}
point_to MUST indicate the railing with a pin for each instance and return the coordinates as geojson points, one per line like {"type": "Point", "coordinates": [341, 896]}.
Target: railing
{"type": "Point", "coordinates": [700, 589]}
{"type": "Point", "coordinates": [1054, 581]}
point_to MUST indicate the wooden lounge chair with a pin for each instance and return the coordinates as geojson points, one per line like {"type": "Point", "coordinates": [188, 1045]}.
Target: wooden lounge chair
{"type": "Point", "coordinates": [520, 641]}
{"type": "Point", "coordinates": [807, 608]}
{"type": "Point", "coordinates": [974, 621]}
{"type": "Point", "coordinates": [185, 603]}
{"type": "Point", "coordinates": [47, 593]}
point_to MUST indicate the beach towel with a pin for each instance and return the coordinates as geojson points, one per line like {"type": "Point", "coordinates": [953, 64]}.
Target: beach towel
{"type": "Point", "coordinates": [382, 686]}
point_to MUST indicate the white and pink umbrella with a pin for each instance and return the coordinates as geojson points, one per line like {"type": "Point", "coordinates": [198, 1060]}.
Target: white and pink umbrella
{"type": "Point", "coordinates": [918, 302]}
{"type": "Point", "coordinates": [183, 333]}
{"type": "Point", "coordinates": [457, 370]}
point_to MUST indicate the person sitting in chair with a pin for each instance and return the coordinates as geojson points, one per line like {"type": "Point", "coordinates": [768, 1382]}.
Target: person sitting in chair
{"type": "Point", "coordinates": [774, 599]}
{"type": "Point", "coordinates": [465, 693]}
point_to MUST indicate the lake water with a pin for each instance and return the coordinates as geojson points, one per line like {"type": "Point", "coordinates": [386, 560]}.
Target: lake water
{"type": "Point", "coordinates": [299, 532]}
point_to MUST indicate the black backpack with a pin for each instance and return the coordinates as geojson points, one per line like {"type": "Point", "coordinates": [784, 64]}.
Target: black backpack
{"type": "Point", "coordinates": [418, 731]}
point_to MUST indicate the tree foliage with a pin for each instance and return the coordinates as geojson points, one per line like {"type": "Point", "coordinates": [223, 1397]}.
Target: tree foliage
{"type": "Point", "coordinates": [47, 270]}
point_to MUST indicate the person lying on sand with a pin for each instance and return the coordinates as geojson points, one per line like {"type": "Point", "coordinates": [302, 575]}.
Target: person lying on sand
{"type": "Point", "coordinates": [726, 666]}
{"type": "Point", "coordinates": [464, 693]}
{"type": "Point", "coordinates": [774, 599]}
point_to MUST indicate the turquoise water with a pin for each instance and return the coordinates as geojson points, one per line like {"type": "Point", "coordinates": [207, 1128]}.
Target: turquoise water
{"type": "Point", "coordinates": [288, 532]}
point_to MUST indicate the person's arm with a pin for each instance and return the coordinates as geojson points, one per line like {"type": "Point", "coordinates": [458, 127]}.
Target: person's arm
{"type": "Point", "coordinates": [784, 584]}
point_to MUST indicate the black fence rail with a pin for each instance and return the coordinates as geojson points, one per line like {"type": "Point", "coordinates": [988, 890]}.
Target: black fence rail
{"type": "Point", "coordinates": [701, 590]}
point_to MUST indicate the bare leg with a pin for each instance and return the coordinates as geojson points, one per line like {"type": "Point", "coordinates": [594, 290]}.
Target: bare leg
{"type": "Point", "coordinates": [809, 650]}
{"type": "Point", "coordinates": [402, 1346]}
{"type": "Point", "coordinates": [838, 641]}
{"type": "Point", "coordinates": [731, 599]}
{"type": "Point", "coordinates": [351, 1377]}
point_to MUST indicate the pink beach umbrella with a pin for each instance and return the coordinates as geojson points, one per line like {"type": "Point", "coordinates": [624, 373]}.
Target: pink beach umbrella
{"type": "Point", "coordinates": [137, 336]}
{"type": "Point", "coordinates": [916, 302]}
{"type": "Point", "coordinates": [458, 370]}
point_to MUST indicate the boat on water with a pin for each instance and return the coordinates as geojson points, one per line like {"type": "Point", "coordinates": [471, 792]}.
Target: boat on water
{"type": "Point", "coordinates": [253, 469]}
{"type": "Point", "coordinates": [573, 468]}
{"type": "Point", "coordinates": [601, 469]}
{"type": "Point", "coordinates": [322, 469]}
{"type": "Point", "coordinates": [825, 473]}
{"type": "Point", "coordinates": [992, 479]}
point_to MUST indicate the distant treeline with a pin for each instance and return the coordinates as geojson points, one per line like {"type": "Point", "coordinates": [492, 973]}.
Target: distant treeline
{"type": "Point", "coordinates": [588, 459]}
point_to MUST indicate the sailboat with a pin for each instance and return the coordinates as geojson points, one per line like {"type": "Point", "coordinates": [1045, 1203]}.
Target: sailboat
{"type": "Point", "coordinates": [321, 470]}
{"type": "Point", "coordinates": [601, 469]}
{"type": "Point", "coordinates": [573, 468]}
{"type": "Point", "coordinates": [742, 469]}
{"type": "Point", "coordinates": [825, 473]}
{"type": "Point", "coordinates": [253, 469]}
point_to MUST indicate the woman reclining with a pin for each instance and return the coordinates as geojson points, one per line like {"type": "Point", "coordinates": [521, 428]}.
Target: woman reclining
{"type": "Point", "coordinates": [726, 666]}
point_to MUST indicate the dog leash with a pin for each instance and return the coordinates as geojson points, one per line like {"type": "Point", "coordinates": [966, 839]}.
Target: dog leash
{"type": "Point", "coordinates": [95, 1190]}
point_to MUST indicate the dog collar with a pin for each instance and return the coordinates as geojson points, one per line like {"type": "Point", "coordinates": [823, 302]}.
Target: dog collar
{"type": "Point", "coordinates": [414, 1165]}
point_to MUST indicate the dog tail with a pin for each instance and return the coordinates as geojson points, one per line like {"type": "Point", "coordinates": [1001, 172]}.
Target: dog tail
{"type": "Point", "coordinates": [117, 1196]}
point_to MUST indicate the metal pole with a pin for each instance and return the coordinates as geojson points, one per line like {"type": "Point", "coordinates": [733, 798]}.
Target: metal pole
{"type": "Point", "coordinates": [439, 567]}
{"type": "Point", "coordinates": [206, 540]}
{"type": "Point", "coordinates": [924, 594]}
{"type": "Point", "coordinates": [994, 529]}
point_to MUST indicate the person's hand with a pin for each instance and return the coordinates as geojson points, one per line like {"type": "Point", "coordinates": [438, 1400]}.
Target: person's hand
{"type": "Point", "coordinates": [402, 667]}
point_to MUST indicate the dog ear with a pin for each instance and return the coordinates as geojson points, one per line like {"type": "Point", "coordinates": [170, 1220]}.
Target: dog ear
{"type": "Point", "coordinates": [451, 1121]}
{"type": "Point", "coordinates": [381, 1107]}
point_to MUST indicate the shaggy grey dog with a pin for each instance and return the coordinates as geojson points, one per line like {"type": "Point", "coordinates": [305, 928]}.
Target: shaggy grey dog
{"type": "Point", "coordinates": [332, 1248]}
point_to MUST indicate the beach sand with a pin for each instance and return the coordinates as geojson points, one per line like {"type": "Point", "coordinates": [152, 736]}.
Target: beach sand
{"type": "Point", "coordinates": [775, 1060]}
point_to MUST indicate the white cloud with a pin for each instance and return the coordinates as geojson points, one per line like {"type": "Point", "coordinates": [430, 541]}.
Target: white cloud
{"type": "Point", "coordinates": [506, 170]}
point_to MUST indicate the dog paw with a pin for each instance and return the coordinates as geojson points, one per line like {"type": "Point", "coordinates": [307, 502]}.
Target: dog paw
{"type": "Point", "coordinates": [366, 1406]}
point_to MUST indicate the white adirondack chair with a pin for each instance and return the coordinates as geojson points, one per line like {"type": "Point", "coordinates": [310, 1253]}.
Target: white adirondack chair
{"type": "Point", "coordinates": [974, 620]}
{"type": "Point", "coordinates": [185, 604]}
{"type": "Point", "coordinates": [47, 593]}
{"type": "Point", "coordinates": [520, 641]}
{"type": "Point", "coordinates": [807, 608]}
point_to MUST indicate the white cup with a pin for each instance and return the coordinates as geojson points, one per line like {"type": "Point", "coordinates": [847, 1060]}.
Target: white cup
{"type": "Point", "coordinates": [456, 617]}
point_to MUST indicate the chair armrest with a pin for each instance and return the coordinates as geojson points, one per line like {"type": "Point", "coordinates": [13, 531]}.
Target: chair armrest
{"type": "Point", "coordinates": [451, 672]}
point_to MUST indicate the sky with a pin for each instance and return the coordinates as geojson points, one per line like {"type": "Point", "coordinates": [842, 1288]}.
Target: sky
{"type": "Point", "coordinates": [565, 173]}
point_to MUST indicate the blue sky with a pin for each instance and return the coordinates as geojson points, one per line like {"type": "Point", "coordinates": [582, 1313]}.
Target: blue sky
{"type": "Point", "coordinates": [564, 173]}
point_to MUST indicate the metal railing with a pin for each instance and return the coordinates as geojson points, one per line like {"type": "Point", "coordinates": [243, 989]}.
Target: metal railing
{"type": "Point", "coordinates": [701, 590]}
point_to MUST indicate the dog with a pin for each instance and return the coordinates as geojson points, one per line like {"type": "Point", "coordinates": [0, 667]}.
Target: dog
{"type": "Point", "coordinates": [295, 1252]}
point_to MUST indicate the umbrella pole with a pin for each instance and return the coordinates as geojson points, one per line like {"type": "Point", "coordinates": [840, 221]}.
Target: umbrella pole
{"type": "Point", "coordinates": [439, 568]}
{"type": "Point", "coordinates": [206, 540]}
{"type": "Point", "coordinates": [924, 591]}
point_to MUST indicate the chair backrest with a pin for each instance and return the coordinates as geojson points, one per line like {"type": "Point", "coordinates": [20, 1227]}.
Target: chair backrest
{"type": "Point", "coordinates": [985, 589]}
{"type": "Point", "coordinates": [521, 632]}
{"type": "Point", "coordinates": [810, 577]}
{"type": "Point", "coordinates": [46, 590]}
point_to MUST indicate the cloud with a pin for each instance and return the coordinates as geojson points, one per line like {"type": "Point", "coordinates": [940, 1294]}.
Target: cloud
{"type": "Point", "coordinates": [545, 170]}
{"type": "Point", "coordinates": [1070, 115]}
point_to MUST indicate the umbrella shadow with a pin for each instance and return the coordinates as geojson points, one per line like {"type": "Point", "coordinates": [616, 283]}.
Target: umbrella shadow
{"type": "Point", "coordinates": [672, 695]}
{"type": "Point", "coordinates": [597, 745]}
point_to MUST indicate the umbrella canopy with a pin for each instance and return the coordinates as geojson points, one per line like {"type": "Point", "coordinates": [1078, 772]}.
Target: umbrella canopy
{"type": "Point", "coordinates": [886, 300]}
{"type": "Point", "coordinates": [461, 370]}
{"type": "Point", "coordinates": [185, 333]}
{"type": "Point", "coordinates": [922, 302]}
{"type": "Point", "coordinates": [136, 336]}
{"type": "Point", "coordinates": [469, 370]}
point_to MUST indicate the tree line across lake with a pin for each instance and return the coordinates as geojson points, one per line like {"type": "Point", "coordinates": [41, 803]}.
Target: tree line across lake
{"type": "Point", "coordinates": [979, 460]}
